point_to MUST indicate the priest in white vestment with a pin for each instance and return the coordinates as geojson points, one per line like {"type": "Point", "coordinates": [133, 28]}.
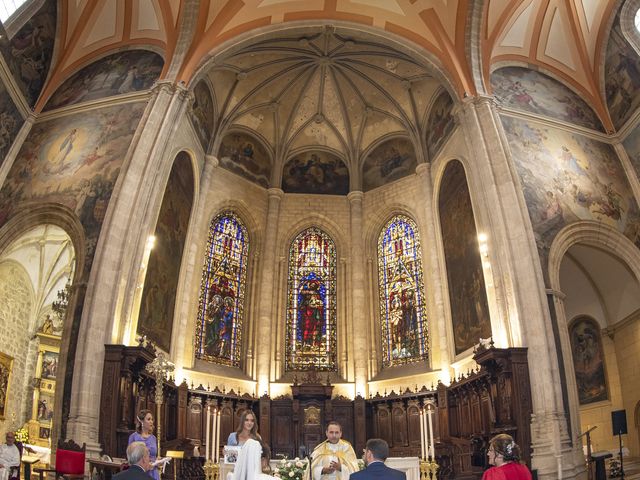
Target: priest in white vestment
{"type": "Point", "coordinates": [333, 459]}
{"type": "Point", "coordinates": [9, 456]}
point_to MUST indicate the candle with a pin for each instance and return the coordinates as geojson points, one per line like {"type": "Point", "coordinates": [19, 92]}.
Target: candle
{"type": "Point", "coordinates": [208, 437]}
{"type": "Point", "coordinates": [422, 446]}
{"type": "Point", "coordinates": [430, 432]}
{"type": "Point", "coordinates": [218, 437]}
{"type": "Point", "coordinates": [213, 437]}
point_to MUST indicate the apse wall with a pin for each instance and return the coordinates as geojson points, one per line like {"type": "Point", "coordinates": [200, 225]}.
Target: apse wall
{"type": "Point", "coordinates": [223, 191]}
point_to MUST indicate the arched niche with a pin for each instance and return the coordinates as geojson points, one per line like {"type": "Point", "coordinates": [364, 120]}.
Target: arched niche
{"type": "Point", "coordinates": [165, 257]}
{"type": "Point", "coordinates": [464, 266]}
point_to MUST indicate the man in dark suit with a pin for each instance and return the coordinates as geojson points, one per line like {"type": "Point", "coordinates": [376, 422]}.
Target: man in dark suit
{"type": "Point", "coordinates": [375, 453]}
{"type": "Point", "coordinates": [138, 458]}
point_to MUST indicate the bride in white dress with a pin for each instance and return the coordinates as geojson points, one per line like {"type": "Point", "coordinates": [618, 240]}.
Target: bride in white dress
{"type": "Point", "coordinates": [249, 463]}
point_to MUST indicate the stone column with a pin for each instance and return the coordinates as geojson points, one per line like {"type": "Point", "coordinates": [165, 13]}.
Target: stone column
{"type": "Point", "coordinates": [265, 305]}
{"type": "Point", "coordinates": [519, 287]}
{"type": "Point", "coordinates": [359, 315]}
{"type": "Point", "coordinates": [437, 276]}
{"type": "Point", "coordinates": [133, 207]}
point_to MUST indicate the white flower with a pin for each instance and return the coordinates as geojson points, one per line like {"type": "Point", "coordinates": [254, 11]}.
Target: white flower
{"type": "Point", "coordinates": [296, 459]}
{"type": "Point", "coordinates": [291, 474]}
{"type": "Point", "coordinates": [299, 464]}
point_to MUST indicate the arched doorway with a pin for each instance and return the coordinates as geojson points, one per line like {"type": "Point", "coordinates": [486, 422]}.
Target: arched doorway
{"type": "Point", "coordinates": [601, 312]}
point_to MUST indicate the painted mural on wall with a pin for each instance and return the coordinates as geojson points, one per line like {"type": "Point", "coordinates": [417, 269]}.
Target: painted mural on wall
{"type": "Point", "coordinates": [122, 72]}
{"type": "Point", "coordinates": [467, 291]}
{"type": "Point", "coordinates": [202, 113]}
{"type": "Point", "coordinates": [568, 177]}
{"type": "Point", "coordinates": [389, 161]}
{"type": "Point", "coordinates": [622, 77]}
{"type": "Point", "coordinates": [75, 161]}
{"type": "Point", "coordinates": [440, 124]}
{"type": "Point", "coordinates": [632, 146]}
{"type": "Point", "coordinates": [243, 155]}
{"type": "Point", "coordinates": [316, 172]}
{"type": "Point", "coordinates": [10, 122]}
{"type": "Point", "coordinates": [163, 270]}
{"type": "Point", "coordinates": [588, 360]}
{"type": "Point", "coordinates": [28, 53]}
{"type": "Point", "coordinates": [531, 91]}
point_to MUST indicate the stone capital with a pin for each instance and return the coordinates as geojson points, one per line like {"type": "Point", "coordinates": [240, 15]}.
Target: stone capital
{"type": "Point", "coordinates": [275, 193]}
{"type": "Point", "coordinates": [212, 160]}
{"type": "Point", "coordinates": [556, 293]}
{"type": "Point", "coordinates": [355, 196]}
{"type": "Point", "coordinates": [423, 170]}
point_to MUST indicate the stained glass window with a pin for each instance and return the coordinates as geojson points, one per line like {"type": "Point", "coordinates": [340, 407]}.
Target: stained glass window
{"type": "Point", "coordinates": [311, 303]}
{"type": "Point", "coordinates": [402, 310]}
{"type": "Point", "coordinates": [220, 315]}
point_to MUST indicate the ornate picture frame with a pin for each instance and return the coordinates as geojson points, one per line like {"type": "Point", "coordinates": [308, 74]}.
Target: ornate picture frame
{"type": "Point", "coordinates": [6, 362]}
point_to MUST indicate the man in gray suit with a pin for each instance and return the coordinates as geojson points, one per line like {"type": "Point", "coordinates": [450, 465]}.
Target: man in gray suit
{"type": "Point", "coordinates": [375, 453]}
{"type": "Point", "coordinates": [139, 463]}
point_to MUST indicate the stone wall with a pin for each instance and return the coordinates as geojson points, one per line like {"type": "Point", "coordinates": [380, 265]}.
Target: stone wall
{"type": "Point", "coordinates": [18, 301]}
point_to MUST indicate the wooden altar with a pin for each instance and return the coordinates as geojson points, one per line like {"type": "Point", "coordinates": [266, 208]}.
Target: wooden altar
{"type": "Point", "coordinates": [492, 399]}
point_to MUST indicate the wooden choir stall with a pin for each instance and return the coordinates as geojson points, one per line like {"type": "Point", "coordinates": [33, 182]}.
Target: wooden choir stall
{"type": "Point", "coordinates": [495, 398]}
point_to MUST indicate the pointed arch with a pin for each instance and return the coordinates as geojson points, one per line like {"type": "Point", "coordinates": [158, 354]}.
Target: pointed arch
{"type": "Point", "coordinates": [222, 292]}
{"type": "Point", "coordinates": [403, 315]}
{"type": "Point", "coordinates": [311, 336]}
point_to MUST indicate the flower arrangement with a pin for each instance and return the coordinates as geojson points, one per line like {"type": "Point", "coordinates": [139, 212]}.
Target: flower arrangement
{"type": "Point", "coordinates": [292, 469]}
{"type": "Point", "coordinates": [22, 435]}
{"type": "Point", "coordinates": [361, 464]}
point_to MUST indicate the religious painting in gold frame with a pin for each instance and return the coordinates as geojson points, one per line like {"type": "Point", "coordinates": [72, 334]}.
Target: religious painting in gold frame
{"type": "Point", "coordinates": [6, 362]}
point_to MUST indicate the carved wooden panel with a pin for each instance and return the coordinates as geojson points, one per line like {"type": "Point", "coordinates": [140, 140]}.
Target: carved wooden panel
{"type": "Point", "coordinates": [282, 439]}
{"type": "Point", "coordinates": [413, 423]}
{"type": "Point", "coordinates": [399, 422]}
{"type": "Point", "coordinates": [384, 423]}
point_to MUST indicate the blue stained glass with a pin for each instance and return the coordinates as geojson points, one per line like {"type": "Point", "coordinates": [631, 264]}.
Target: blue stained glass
{"type": "Point", "coordinates": [402, 311]}
{"type": "Point", "coordinates": [222, 292]}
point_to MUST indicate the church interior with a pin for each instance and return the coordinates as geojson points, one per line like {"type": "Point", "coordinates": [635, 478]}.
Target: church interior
{"type": "Point", "coordinates": [473, 255]}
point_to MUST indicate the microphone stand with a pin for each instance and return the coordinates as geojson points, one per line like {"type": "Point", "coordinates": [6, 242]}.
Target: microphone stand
{"type": "Point", "coordinates": [589, 459]}
{"type": "Point", "coordinates": [621, 464]}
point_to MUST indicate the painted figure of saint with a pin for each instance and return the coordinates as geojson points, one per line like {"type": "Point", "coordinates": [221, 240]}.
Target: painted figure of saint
{"type": "Point", "coordinates": [310, 313]}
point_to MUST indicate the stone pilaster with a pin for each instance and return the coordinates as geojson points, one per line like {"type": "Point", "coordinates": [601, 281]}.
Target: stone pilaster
{"type": "Point", "coordinates": [265, 305]}
{"type": "Point", "coordinates": [521, 308]}
{"type": "Point", "coordinates": [358, 305]}
{"type": "Point", "coordinates": [183, 353]}
{"type": "Point", "coordinates": [437, 276]}
{"type": "Point", "coordinates": [130, 219]}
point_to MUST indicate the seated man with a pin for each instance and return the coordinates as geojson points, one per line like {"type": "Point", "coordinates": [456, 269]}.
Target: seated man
{"type": "Point", "coordinates": [333, 459]}
{"type": "Point", "coordinates": [139, 461]}
{"type": "Point", "coordinates": [375, 453]}
{"type": "Point", "coordinates": [9, 457]}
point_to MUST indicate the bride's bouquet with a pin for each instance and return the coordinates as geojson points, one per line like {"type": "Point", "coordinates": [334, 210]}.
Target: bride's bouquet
{"type": "Point", "coordinates": [291, 469]}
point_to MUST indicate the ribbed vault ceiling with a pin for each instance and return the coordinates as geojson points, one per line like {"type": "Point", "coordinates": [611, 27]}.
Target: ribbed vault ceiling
{"type": "Point", "coordinates": [322, 87]}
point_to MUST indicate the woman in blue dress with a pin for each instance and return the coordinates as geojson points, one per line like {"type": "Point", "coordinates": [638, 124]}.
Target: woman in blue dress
{"type": "Point", "coordinates": [144, 433]}
{"type": "Point", "coordinates": [247, 429]}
